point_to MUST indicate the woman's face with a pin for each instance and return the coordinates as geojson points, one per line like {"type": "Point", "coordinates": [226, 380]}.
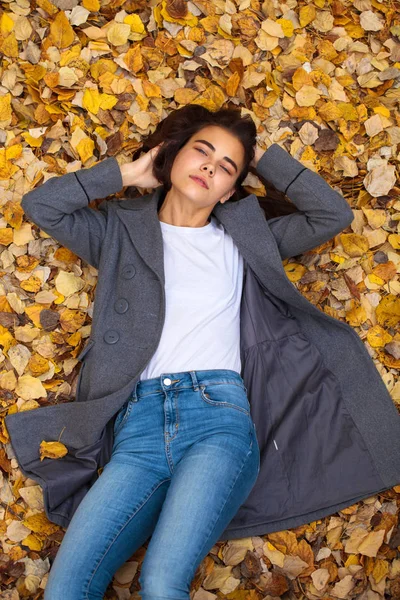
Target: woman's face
{"type": "Point", "coordinates": [218, 158]}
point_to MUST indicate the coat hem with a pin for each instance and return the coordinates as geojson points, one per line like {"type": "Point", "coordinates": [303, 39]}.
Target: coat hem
{"type": "Point", "coordinates": [57, 518]}
{"type": "Point", "coordinates": [260, 529]}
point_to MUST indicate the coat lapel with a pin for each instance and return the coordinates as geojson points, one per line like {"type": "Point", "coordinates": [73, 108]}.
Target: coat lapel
{"type": "Point", "coordinates": [244, 221]}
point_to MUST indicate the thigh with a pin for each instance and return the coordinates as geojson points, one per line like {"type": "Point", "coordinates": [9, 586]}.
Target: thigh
{"type": "Point", "coordinates": [209, 484]}
{"type": "Point", "coordinates": [115, 517]}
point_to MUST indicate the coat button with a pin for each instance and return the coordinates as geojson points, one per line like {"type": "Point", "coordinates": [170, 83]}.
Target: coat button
{"type": "Point", "coordinates": [128, 271]}
{"type": "Point", "coordinates": [111, 336]}
{"type": "Point", "coordinates": [121, 305]}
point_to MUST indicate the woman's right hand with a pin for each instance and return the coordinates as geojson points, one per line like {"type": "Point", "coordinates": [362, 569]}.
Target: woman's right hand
{"type": "Point", "coordinates": [140, 172]}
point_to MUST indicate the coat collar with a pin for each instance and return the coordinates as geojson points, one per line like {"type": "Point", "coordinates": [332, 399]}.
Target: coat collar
{"type": "Point", "coordinates": [240, 219]}
{"type": "Point", "coordinates": [245, 222]}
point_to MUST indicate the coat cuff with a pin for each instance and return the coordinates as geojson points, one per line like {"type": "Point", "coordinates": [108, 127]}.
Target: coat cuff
{"type": "Point", "coordinates": [101, 180]}
{"type": "Point", "coordinates": [279, 167]}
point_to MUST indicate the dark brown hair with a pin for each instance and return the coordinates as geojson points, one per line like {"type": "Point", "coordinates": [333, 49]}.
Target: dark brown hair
{"type": "Point", "coordinates": [178, 127]}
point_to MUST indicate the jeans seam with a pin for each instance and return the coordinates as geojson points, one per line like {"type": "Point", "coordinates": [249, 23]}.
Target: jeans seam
{"type": "Point", "coordinates": [116, 536]}
{"type": "Point", "coordinates": [125, 417]}
{"type": "Point", "coordinates": [224, 504]}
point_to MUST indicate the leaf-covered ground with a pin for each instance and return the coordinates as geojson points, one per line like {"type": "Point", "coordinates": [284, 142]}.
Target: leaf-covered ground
{"type": "Point", "coordinates": [83, 81]}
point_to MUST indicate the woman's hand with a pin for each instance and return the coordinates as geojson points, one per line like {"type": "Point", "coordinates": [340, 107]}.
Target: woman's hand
{"type": "Point", "coordinates": [258, 152]}
{"type": "Point", "coordinates": [140, 172]}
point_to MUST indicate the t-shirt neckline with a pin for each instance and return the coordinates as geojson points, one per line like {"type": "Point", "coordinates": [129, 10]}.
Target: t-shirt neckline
{"type": "Point", "coordinates": [178, 228]}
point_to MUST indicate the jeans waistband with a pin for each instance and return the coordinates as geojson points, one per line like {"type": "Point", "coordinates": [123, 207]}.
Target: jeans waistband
{"type": "Point", "coordinates": [185, 379]}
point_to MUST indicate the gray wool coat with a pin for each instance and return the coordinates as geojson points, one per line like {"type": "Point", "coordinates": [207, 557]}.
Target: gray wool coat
{"type": "Point", "coordinates": [328, 430]}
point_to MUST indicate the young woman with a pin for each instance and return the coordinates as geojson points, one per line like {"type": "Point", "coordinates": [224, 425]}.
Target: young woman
{"type": "Point", "coordinates": [183, 341]}
{"type": "Point", "coordinates": [179, 480]}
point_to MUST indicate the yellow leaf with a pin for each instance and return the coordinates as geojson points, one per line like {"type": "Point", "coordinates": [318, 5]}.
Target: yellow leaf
{"type": "Point", "coordinates": [287, 27]}
{"type": "Point", "coordinates": [85, 149]}
{"type": "Point", "coordinates": [39, 523]}
{"type": "Point", "coordinates": [348, 111]}
{"type": "Point", "coordinates": [102, 132]}
{"type": "Point", "coordinates": [32, 141]}
{"type": "Point", "coordinates": [378, 337]}
{"type": "Point", "coordinates": [382, 110]}
{"type": "Point", "coordinates": [337, 258]}
{"type": "Point", "coordinates": [52, 450]}
{"type": "Point", "coordinates": [107, 101]}
{"type": "Point", "coordinates": [72, 54]}
{"type": "Point", "coordinates": [91, 5]}
{"type": "Point", "coordinates": [354, 244]}
{"type": "Point", "coordinates": [189, 19]}
{"type": "Point", "coordinates": [91, 100]}
{"type": "Point", "coordinates": [151, 90]}
{"type": "Point", "coordinates": [307, 14]}
{"type": "Point", "coordinates": [380, 570]}
{"type": "Point", "coordinates": [33, 542]}
{"type": "Point", "coordinates": [388, 311]}
{"type": "Point", "coordinates": [14, 151]}
{"type": "Point", "coordinates": [135, 23]}
{"type": "Point", "coordinates": [185, 95]}
{"type": "Point", "coordinates": [356, 315]}
{"type": "Point", "coordinates": [330, 111]}
{"type": "Point", "coordinates": [6, 339]}
{"type": "Point", "coordinates": [47, 6]}
{"type": "Point", "coordinates": [354, 31]}
{"type": "Point", "coordinates": [375, 279]}
{"type": "Point", "coordinates": [6, 236]}
{"type": "Point", "coordinates": [104, 65]}
{"type": "Point", "coordinates": [5, 107]}
{"type": "Point", "coordinates": [133, 59]}
{"type": "Point", "coordinates": [307, 95]}
{"type": "Point", "coordinates": [118, 33]}
{"type": "Point", "coordinates": [6, 24]}
{"type": "Point", "coordinates": [394, 240]}
{"type": "Point", "coordinates": [61, 32]}
{"type": "Point", "coordinates": [300, 78]}
{"type": "Point", "coordinates": [351, 560]}
{"type": "Point", "coordinates": [9, 46]}
{"type": "Point", "coordinates": [32, 284]}
{"type": "Point", "coordinates": [294, 271]}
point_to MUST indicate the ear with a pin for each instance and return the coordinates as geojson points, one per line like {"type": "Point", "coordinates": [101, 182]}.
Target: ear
{"type": "Point", "coordinates": [227, 196]}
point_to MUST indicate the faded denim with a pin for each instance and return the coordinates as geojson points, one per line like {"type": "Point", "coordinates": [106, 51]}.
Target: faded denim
{"type": "Point", "coordinates": [185, 457]}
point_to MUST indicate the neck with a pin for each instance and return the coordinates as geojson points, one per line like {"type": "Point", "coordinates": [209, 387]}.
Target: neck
{"type": "Point", "coordinates": [182, 214]}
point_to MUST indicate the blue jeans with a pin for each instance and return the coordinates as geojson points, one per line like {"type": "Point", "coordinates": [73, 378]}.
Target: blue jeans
{"type": "Point", "coordinates": [185, 458]}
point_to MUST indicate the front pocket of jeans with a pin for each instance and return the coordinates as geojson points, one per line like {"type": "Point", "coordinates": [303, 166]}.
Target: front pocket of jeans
{"type": "Point", "coordinates": [122, 417]}
{"type": "Point", "coordinates": [226, 395]}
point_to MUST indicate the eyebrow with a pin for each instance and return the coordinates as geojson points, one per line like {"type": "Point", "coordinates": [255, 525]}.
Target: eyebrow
{"type": "Point", "coordinates": [229, 160]}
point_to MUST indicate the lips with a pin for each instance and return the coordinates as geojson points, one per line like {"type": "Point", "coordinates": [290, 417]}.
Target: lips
{"type": "Point", "coordinates": [199, 181]}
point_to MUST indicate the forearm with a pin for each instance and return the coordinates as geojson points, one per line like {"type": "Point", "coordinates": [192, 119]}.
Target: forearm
{"type": "Point", "coordinates": [60, 207]}
{"type": "Point", "coordinates": [67, 193]}
{"type": "Point", "coordinates": [310, 192]}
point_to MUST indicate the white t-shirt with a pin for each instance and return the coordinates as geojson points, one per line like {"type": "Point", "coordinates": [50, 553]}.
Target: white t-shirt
{"type": "Point", "coordinates": [203, 287]}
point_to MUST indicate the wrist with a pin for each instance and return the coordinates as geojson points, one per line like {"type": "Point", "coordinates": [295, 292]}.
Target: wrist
{"type": "Point", "coordinates": [126, 174]}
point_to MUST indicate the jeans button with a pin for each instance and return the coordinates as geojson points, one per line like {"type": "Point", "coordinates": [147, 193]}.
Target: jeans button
{"type": "Point", "coordinates": [167, 381]}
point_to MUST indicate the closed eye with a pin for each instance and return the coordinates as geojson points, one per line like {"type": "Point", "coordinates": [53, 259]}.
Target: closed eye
{"type": "Point", "coordinates": [201, 150]}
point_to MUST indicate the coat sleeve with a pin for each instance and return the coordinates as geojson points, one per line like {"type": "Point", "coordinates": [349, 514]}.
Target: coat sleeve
{"type": "Point", "coordinates": [60, 207]}
{"type": "Point", "coordinates": [323, 212]}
